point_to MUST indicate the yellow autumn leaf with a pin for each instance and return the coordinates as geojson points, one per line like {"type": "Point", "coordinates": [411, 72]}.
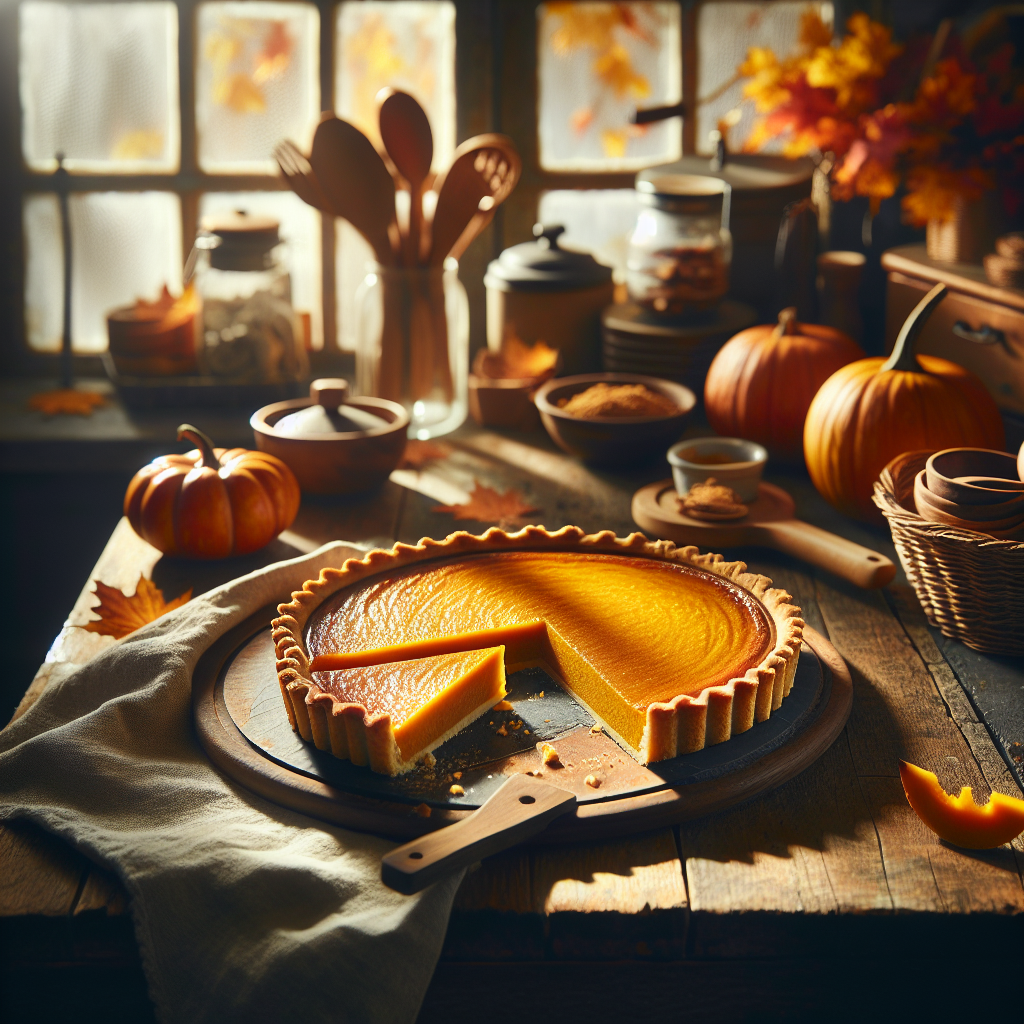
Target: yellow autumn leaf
{"type": "Point", "coordinates": [144, 144]}
{"type": "Point", "coordinates": [615, 68]}
{"type": "Point", "coordinates": [120, 614]}
{"type": "Point", "coordinates": [240, 94]}
{"type": "Point", "coordinates": [614, 142]}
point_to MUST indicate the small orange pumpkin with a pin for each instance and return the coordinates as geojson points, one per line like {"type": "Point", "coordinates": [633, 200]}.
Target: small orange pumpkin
{"type": "Point", "coordinates": [761, 382]}
{"type": "Point", "coordinates": [872, 410]}
{"type": "Point", "coordinates": [212, 502]}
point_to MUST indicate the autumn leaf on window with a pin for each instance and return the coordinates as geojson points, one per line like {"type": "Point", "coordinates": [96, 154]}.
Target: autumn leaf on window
{"type": "Point", "coordinates": [120, 614]}
{"type": "Point", "coordinates": [66, 402]}
{"type": "Point", "coordinates": [275, 55]}
{"type": "Point", "coordinates": [602, 27]}
{"type": "Point", "coordinates": [486, 505]}
{"type": "Point", "coordinates": [239, 93]}
{"type": "Point", "coordinates": [615, 68]}
{"type": "Point", "coordinates": [420, 453]}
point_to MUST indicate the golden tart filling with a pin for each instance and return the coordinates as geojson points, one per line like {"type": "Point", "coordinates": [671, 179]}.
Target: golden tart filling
{"type": "Point", "coordinates": [668, 649]}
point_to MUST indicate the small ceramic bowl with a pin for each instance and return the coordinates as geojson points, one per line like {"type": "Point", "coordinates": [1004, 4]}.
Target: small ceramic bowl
{"type": "Point", "coordinates": [335, 463]}
{"type": "Point", "coordinates": [502, 402]}
{"type": "Point", "coordinates": [612, 440]}
{"type": "Point", "coordinates": [730, 460]}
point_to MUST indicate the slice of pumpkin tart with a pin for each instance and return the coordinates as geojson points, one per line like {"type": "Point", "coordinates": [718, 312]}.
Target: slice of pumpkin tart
{"type": "Point", "coordinates": [389, 715]}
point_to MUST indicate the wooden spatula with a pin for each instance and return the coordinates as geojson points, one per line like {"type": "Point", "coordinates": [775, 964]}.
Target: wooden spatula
{"type": "Point", "coordinates": [484, 171]}
{"type": "Point", "coordinates": [770, 523]}
{"type": "Point", "coordinates": [357, 183]}
{"type": "Point", "coordinates": [521, 808]}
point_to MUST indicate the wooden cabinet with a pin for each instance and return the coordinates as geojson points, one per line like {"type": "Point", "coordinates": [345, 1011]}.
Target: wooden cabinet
{"type": "Point", "coordinates": [979, 325]}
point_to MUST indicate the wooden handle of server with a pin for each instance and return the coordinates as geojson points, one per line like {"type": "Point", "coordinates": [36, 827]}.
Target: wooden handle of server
{"type": "Point", "coordinates": [859, 565]}
{"type": "Point", "coordinates": [521, 808]}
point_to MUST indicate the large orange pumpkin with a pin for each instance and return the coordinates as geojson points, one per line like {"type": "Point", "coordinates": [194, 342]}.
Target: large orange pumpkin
{"type": "Point", "coordinates": [212, 502]}
{"type": "Point", "coordinates": [869, 412]}
{"type": "Point", "coordinates": [761, 382]}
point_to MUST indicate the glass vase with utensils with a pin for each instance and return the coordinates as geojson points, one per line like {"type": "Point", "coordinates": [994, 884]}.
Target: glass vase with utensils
{"type": "Point", "coordinates": [413, 313]}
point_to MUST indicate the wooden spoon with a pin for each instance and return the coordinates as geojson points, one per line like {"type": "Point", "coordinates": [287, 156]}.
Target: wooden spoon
{"type": "Point", "coordinates": [485, 170]}
{"type": "Point", "coordinates": [357, 183]}
{"type": "Point", "coordinates": [405, 130]}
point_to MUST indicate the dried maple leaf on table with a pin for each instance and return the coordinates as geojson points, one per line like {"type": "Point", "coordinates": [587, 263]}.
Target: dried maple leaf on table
{"type": "Point", "coordinates": [419, 453]}
{"type": "Point", "coordinates": [67, 402]}
{"type": "Point", "coordinates": [486, 505]}
{"type": "Point", "coordinates": [120, 615]}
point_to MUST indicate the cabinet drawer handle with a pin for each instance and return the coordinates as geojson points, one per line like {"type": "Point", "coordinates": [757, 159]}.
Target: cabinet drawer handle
{"type": "Point", "coordinates": [984, 335]}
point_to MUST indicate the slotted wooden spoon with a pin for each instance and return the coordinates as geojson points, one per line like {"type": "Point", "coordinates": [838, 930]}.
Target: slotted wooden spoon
{"type": "Point", "coordinates": [356, 183]}
{"type": "Point", "coordinates": [484, 171]}
{"type": "Point", "coordinates": [405, 131]}
{"type": "Point", "coordinates": [297, 172]}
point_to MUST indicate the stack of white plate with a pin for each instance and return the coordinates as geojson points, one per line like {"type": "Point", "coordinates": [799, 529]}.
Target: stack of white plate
{"type": "Point", "coordinates": [635, 341]}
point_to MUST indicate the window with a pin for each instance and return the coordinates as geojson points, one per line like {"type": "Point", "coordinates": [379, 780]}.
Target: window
{"type": "Point", "coordinates": [166, 111]}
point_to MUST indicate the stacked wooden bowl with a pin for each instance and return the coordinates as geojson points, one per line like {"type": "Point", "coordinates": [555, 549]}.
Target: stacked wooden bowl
{"type": "Point", "coordinates": [972, 489]}
{"type": "Point", "coordinates": [969, 580]}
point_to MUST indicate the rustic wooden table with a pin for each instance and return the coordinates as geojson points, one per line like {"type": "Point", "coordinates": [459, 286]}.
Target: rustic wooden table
{"type": "Point", "coordinates": [827, 895]}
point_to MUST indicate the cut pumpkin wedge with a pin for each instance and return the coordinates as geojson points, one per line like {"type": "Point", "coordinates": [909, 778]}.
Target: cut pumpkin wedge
{"type": "Point", "coordinates": [958, 819]}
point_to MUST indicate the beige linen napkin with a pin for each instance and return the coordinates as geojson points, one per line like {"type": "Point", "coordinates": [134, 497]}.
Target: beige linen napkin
{"type": "Point", "coordinates": [243, 911]}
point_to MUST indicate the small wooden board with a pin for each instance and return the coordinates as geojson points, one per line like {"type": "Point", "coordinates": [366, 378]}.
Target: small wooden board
{"type": "Point", "coordinates": [770, 522]}
{"type": "Point", "coordinates": [235, 689]}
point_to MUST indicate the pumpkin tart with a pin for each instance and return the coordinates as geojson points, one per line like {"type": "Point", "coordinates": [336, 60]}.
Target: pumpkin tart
{"type": "Point", "coordinates": [384, 659]}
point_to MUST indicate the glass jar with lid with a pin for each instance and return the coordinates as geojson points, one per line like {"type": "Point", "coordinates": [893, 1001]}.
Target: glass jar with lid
{"type": "Point", "coordinates": [250, 333]}
{"type": "Point", "coordinates": [680, 252]}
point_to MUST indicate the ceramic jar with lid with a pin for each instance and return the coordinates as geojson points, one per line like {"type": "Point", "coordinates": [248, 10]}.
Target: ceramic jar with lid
{"type": "Point", "coordinates": [681, 249]}
{"type": "Point", "coordinates": [249, 332]}
{"type": "Point", "coordinates": [538, 291]}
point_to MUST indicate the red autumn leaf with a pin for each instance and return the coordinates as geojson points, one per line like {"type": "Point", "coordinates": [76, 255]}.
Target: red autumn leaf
{"type": "Point", "coordinates": [419, 453]}
{"type": "Point", "coordinates": [120, 614]}
{"type": "Point", "coordinates": [486, 505]}
{"type": "Point", "coordinates": [67, 402]}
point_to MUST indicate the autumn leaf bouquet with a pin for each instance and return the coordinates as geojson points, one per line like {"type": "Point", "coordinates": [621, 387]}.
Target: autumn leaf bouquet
{"type": "Point", "coordinates": [943, 119]}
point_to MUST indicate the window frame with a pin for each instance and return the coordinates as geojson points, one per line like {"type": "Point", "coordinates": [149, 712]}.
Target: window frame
{"type": "Point", "coordinates": [494, 92]}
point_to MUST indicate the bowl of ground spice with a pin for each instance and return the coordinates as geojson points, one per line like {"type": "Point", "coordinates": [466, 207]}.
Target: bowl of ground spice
{"type": "Point", "coordinates": [614, 418]}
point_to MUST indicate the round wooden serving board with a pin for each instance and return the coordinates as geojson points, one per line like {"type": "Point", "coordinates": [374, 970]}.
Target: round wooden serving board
{"type": "Point", "coordinates": [242, 725]}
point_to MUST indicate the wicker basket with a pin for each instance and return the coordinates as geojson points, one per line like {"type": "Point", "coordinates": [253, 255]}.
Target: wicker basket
{"type": "Point", "coordinates": [970, 585]}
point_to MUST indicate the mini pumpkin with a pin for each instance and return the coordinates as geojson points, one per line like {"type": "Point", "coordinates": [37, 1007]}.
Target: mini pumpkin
{"type": "Point", "coordinates": [872, 410]}
{"type": "Point", "coordinates": [211, 502]}
{"type": "Point", "coordinates": [762, 381]}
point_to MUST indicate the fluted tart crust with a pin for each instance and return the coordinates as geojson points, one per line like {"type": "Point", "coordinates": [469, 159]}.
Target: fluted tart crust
{"type": "Point", "coordinates": [672, 650]}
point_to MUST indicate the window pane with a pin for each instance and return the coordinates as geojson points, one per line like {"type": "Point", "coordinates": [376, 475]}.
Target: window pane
{"type": "Point", "coordinates": [599, 221]}
{"type": "Point", "coordinates": [352, 255]}
{"type": "Point", "coordinates": [596, 63]}
{"type": "Point", "coordinates": [300, 229]}
{"type": "Point", "coordinates": [725, 31]}
{"type": "Point", "coordinates": [99, 83]}
{"type": "Point", "coordinates": [257, 82]}
{"type": "Point", "coordinates": [409, 45]}
{"type": "Point", "coordinates": [124, 246]}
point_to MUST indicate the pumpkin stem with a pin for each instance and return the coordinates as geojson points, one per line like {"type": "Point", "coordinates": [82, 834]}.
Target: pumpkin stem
{"type": "Point", "coordinates": [207, 458]}
{"type": "Point", "coordinates": [787, 321]}
{"type": "Point", "coordinates": [903, 357]}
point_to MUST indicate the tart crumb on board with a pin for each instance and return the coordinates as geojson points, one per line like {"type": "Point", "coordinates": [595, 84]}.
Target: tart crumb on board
{"type": "Point", "coordinates": [550, 755]}
{"type": "Point", "coordinates": [592, 781]}
{"type": "Point", "coordinates": [456, 790]}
